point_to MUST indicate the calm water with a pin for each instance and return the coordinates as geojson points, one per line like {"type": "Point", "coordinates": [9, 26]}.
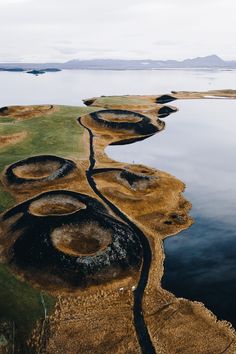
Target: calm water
{"type": "Point", "coordinates": [69, 87]}
{"type": "Point", "coordinates": [198, 146]}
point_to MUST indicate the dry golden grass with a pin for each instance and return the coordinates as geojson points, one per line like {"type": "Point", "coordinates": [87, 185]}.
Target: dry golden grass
{"type": "Point", "coordinates": [147, 103]}
{"type": "Point", "coordinates": [12, 139]}
{"type": "Point", "coordinates": [214, 94]}
{"type": "Point", "coordinates": [27, 112]}
{"type": "Point", "coordinates": [36, 170]}
{"type": "Point", "coordinates": [75, 181]}
{"type": "Point", "coordinates": [98, 322]}
{"type": "Point", "coordinates": [55, 205]}
{"type": "Point", "coordinates": [83, 240]}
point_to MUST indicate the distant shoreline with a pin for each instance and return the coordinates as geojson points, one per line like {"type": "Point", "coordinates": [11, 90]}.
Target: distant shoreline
{"type": "Point", "coordinates": [38, 72]}
{"type": "Point", "coordinates": [207, 63]}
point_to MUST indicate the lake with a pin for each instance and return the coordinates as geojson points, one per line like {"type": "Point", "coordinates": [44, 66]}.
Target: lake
{"type": "Point", "coordinates": [198, 146]}
{"type": "Point", "coordinates": [69, 87]}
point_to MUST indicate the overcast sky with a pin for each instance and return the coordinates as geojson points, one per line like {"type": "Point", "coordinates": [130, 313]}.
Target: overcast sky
{"type": "Point", "coordinates": [60, 30]}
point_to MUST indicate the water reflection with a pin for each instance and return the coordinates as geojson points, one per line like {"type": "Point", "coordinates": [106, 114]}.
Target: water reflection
{"type": "Point", "coordinates": [198, 146]}
{"type": "Point", "coordinates": [200, 265]}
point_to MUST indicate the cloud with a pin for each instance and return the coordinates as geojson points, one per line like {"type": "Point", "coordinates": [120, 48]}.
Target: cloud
{"type": "Point", "coordinates": [166, 43]}
{"type": "Point", "coordinates": [61, 29]}
{"type": "Point", "coordinates": [66, 50]}
{"type": "Point", "coordinates": [11, 2]}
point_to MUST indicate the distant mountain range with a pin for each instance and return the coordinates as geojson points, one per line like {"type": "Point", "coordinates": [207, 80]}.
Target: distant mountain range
{"type": "Point", "coordinates": [208, 62]}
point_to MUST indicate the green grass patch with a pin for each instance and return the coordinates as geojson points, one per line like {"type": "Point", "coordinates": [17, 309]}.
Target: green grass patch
{"type": "Point", "coordinates": [120, 100]}
{"type": "Point", "coordinates": [6, 200]}
{"type": "Point", "coordinates": [21, 303]}
{"type": "Point", "coordinates": [54, 134]}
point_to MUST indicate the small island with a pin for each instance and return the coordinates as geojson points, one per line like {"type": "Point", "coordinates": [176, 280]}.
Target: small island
{"type": "Point", "coordinates": [32, 71]}
{"type": "Point", "coordinates": [35, 72]}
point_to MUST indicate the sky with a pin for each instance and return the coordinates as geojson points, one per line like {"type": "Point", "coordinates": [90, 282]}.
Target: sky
{"type": "Point", "coordinates": [61, 30]}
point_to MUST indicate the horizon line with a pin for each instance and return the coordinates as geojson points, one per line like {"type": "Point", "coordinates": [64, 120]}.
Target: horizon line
{"type": "Point", "coordinates": [107, 58]}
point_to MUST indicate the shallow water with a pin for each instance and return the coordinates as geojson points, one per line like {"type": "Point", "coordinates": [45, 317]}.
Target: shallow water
{"type": "Point", "coordinates": [198, 146]}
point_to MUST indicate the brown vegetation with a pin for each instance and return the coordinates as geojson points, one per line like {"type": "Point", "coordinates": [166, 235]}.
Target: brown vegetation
{"type": "Point", "coordinates": [12, 139]}
{"type": "Point", "coordinates": [86, 239]}
{"type": "Point", "coordinates": [55, 205]}
{"type": "Point", "coordinates": [26, 112]}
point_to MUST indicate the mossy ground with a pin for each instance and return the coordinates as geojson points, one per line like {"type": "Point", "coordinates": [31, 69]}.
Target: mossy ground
{"type": "Point", "coordinates": [55, 134]}
{"type": "Point", "coordinates": [119, 100]}
{"type": "Point", "coordinates": [21, 303]}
